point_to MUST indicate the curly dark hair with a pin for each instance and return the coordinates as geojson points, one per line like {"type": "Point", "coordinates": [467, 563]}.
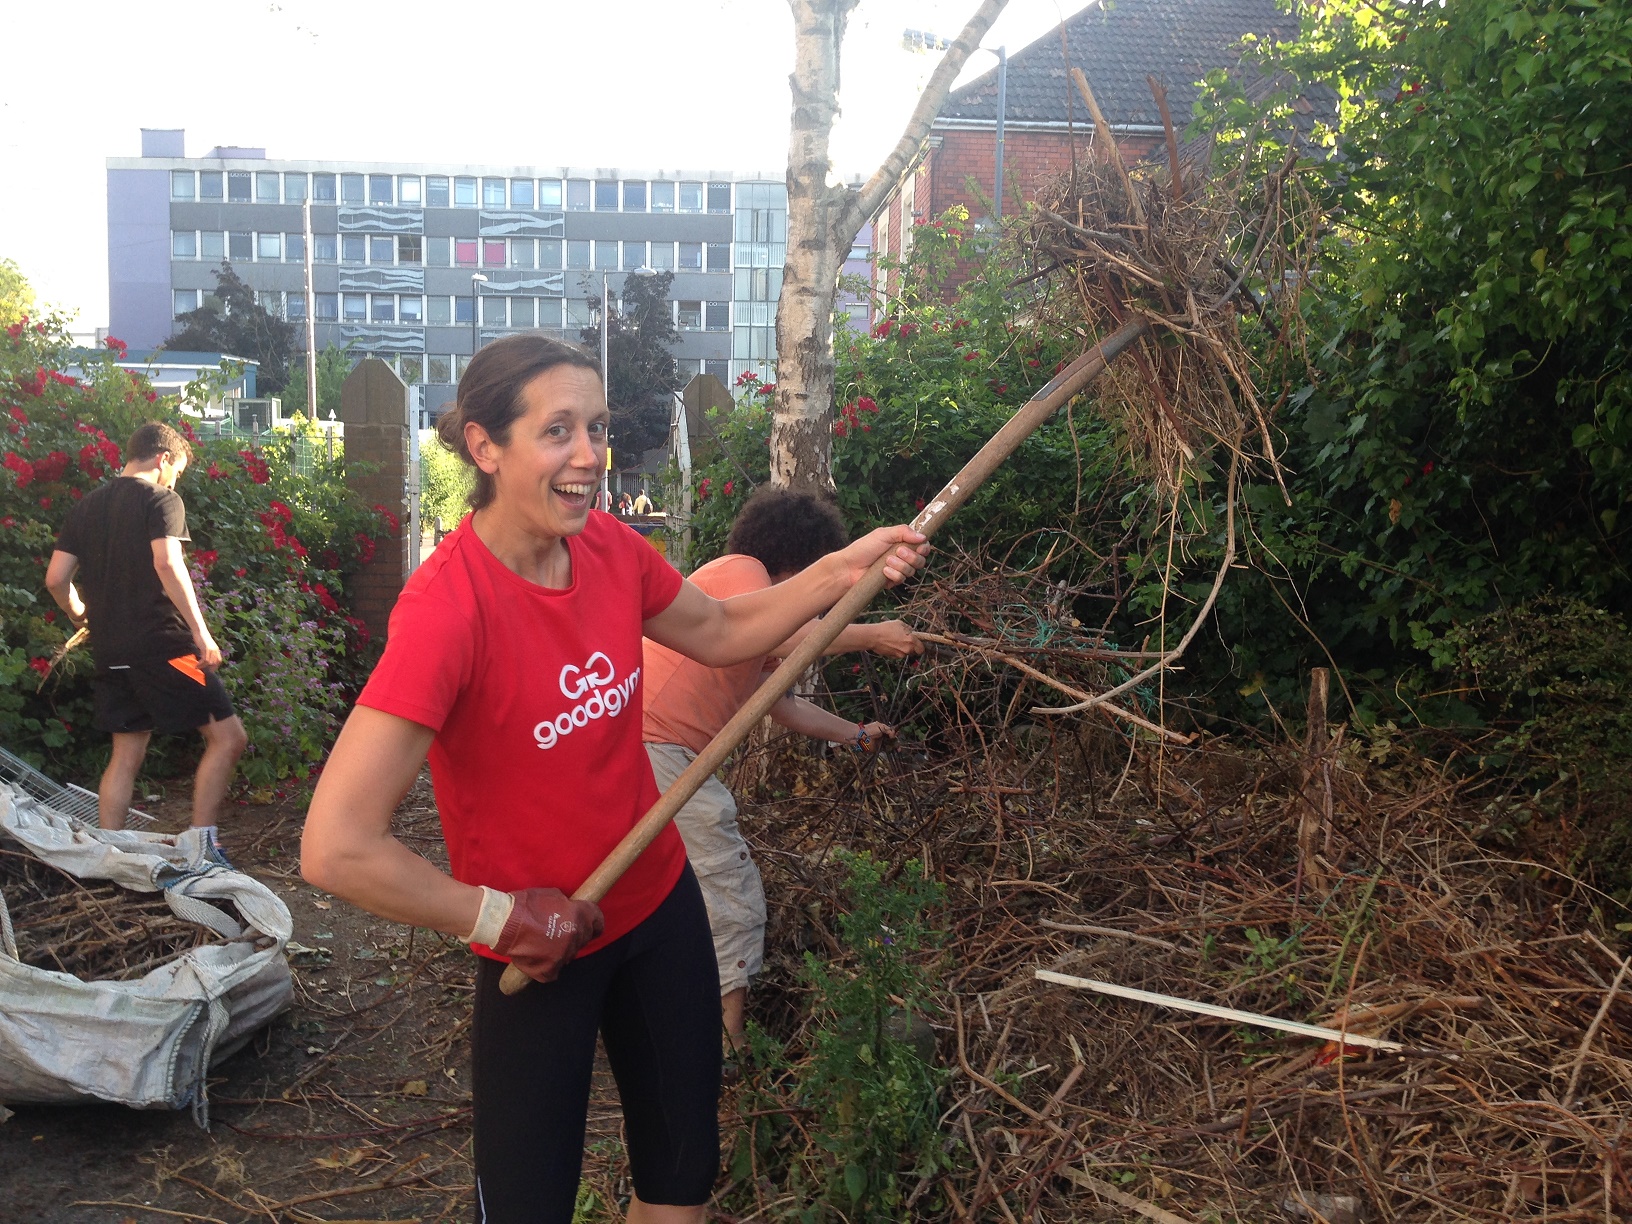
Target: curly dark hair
{"type": "Point", "coordinates": [786, 530]}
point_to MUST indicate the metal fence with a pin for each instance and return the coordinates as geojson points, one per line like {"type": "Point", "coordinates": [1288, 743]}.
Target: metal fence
{"type": "Point", "coordinates": [303, 450]}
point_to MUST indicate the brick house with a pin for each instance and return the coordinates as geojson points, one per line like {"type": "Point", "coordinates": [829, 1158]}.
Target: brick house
{"type": "Point", "coordinates": [1117, 46]}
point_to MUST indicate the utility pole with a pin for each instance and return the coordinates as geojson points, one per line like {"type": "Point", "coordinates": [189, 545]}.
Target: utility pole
{"type": "Point", "coordinates": [311, 314]}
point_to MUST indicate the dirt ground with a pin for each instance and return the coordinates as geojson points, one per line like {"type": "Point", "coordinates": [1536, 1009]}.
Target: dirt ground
{"type": "Point", "coordinates": [352, 1106]}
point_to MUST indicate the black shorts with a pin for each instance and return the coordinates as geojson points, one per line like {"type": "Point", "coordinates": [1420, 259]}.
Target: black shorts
{"type": "Point", "coordinates": [654, 995]}
{"type": "Point", "coordinates": [170, 696]}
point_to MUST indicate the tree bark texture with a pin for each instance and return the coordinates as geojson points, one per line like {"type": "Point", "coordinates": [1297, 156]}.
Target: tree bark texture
{"type": "Point", "coordinates": [823, 220]}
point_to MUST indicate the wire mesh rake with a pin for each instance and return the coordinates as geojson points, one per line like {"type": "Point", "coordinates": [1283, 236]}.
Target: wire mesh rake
{"type": "Point", "coordinates": [74, 802]}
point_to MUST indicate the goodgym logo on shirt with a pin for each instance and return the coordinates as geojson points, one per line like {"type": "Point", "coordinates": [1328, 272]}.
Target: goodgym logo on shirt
{"type": "Point", "coordinates": [607, 697]}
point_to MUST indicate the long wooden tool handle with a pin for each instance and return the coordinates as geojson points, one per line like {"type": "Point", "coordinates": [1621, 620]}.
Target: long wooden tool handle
{"type": "Point", "coordinates": [987, 460]}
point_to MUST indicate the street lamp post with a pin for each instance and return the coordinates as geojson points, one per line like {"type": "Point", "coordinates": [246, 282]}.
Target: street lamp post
{"type": "Point", "coordinates": [476, 282]}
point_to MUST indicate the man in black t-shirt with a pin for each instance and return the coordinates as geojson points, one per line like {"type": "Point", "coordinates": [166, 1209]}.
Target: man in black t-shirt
{"type": "Point", "coordinates": [155, 659]}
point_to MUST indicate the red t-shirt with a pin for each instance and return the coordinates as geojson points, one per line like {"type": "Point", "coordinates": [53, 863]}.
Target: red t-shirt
{"type": "Point", "coordinates": [535, 698]}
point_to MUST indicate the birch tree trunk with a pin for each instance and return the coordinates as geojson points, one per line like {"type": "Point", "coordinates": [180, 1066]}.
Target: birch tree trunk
{"type": "Point", "coordinates": [823, 220]}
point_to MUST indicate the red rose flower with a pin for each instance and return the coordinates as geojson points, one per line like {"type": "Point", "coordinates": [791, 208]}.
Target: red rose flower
{"type": "Point", "coordinates": [391, 520]}
{"type": "Point", "coordinates": [206, 558]}
{"type": "Point", "coordinates": [8, 521]}
{"type": "Point", "coordinates": [1427, 467]}
{"type": "Point", "coordinates": [727, 487]}
{"type": "Point", "coordinates": [22, 467]}
{"type": "Point", "coordinates": [18, 415]}
{"type": "Point", "coordinates": [116, 344]}
{"type": "Point", "coordinates": [867, 404]}
{"type": "Point", "coordinates": [43, 666]}
{"type": "Point", "coordinates": [45, 503]}
{"type": "Point", "coordinates": [214, 471]}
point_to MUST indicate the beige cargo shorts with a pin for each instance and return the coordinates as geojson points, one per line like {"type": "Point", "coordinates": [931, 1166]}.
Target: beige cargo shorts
{"type": "Point", "coordinates": [727, 873]}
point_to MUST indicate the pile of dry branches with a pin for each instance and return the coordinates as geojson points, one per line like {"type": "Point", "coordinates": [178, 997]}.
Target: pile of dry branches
{"type": "Point", "coordinates": [1329, 882]}
{"type": "Point", "coordinates": [1182, 249]}
{"type": "Point", "coordinates": [94, 930]}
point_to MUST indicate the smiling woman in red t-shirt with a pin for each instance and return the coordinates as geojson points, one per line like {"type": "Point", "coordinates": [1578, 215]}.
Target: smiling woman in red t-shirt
{"type": "Point", "coordinates": [514, 665]}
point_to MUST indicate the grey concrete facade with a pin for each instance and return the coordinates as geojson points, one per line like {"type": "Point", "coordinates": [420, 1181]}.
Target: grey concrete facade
{"type": "Point", "coordinates": [416, 263]}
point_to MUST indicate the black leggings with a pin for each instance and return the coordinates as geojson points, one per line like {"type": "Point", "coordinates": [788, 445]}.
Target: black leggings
{"type": "Point", "coordinates": [654, 996]}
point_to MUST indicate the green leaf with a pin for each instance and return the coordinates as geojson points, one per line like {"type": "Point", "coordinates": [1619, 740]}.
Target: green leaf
{"type": "Point", "coordinates": [855, 1182]}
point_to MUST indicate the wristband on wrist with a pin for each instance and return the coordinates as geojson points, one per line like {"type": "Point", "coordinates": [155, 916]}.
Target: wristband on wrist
{"type": "Point", "coordinates": [490, 919]}
{"type": "Point", "coordinates": [862, 738]}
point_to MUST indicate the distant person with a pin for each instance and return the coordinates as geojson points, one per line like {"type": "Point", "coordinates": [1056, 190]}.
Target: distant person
{"type": "Point", "coordinates": [642, 503]}
{"type": "Point", "coordinates": [155, 659]}
{"type": "Point", "coordinates": [776, 535]}
{"type": "Point", "coordinates": [625, 503]}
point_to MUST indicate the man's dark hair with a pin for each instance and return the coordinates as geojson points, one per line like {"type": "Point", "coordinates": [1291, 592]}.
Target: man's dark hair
{"type": "Point", "coordinates": [155, 438]}
{"type": "Point", "coordinates": [490, 394]}
{"type": "Point", "coordinates": [786, 530]}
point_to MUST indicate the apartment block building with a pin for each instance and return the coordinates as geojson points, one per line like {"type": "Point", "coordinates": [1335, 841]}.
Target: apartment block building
{"type": "Point", "coordinates": [419, 264]}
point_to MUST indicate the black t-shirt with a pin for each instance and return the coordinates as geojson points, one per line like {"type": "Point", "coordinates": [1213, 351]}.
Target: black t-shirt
{"type": "Point", "coordinates": [111, 530]}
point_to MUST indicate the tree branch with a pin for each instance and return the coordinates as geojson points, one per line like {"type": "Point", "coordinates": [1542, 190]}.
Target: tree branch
{"type": "Point", "coordinates": [929, 105]}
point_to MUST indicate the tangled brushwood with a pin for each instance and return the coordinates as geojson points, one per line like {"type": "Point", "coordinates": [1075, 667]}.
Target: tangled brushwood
{"type": "Point", "coordinates": [1341, 882]}
{"type": "Point", "coordinates": [93, 930]}
{"type": "Point", "coordinates": [1212, 262]}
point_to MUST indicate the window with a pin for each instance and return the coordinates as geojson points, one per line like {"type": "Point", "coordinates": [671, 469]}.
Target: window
{"type": "Point", "coordinates": [240, 246]}
{"type": "Point", "coordinates": [438, 253]}
{"type": "Point", "coordinates": [238, 186]}
{"type": "Point", "coordinates": [328, 307]}
{"type": "Point", "coordinates": [411, 368]}
{"type": "Point", "coordinates": [492, 193]}
{"type": "Point", "coordinates": [436, 191]}
{"type": "Point", "coordinates": [549, 193]}
{"type": "Point", "coordinates": [355, 306]}
{"type": "Point", "coordinates": [662, 197]}
{"type": "Point", "coordinates": [411, 308]}
{"type": "Point", "coordinates": [351, 189]}
{"type": "Point", "coordinates": [634, 255]}
{"type": "Point", "coordinates": [268, 246]}
{"type": "Point", "coordinates": [408, 248]}
{"type": "Point", "coordinates": [521, 193]}
{"type": "Point", "coordinates": [183, 244]}
{"type": "Point", "coordinates": [439, 369]}
{"type": "Point", "coordinates": [719, 257]}
{"type": "Point", "coordinates": [691, 316]}
{"type": "Point", "coordinates": [464, 252]}
{"type": "Point", "coordinates": [719, 197]}
{"type": "Point", "coordinates": [382, 249]}
{"type": "Point", "coordinates": [322, 189]}
{"type": "Point", "coordinates": [294, 188]}
{"type": "Point", "coordinates": [353, 248]}
{"type": "Point", "coordinates": [464, 310]}
{"type": "Point", "coordinates": [549, 312]}
{"type": "Point", "coordinates": [719, 369]}
{"type": "Point", "coordinates": [577, 195]}
{"type": "Point", "coordinates": [493, 253]}
{"type": "Point", "coordinates": [210, 246]}
{"type": "Point", "coordinates": [521, 252]}
{"type": "Point", "coordinates": [185, 300]}
{"type": "Point", "coordinates": [662, 258]}
{"type": "Point", "coordinates": [296, 310]}
{"type": "Point", "coordinates": [268, 190]}
{"type": "Point", "coordinates": [438, 313]}
{"type": "Point", "coordinates": [380, 189]}
{"type": "Point", "coordinates": [634, 197]}
{"type": "Point", "coordinates": [323, 248]}
{"type": "Point", "coordinates": [577, 253]}
{"type": "Point", "coordinates": [691, 197]}
{"type": "Point", "coordinates": [461, 363]}
{"type": "Point", "coordinates": [606, 195]}
{"type": "Point", "coordinates": [209, 184]}
{"type": "Point", "coordinates": [521, 312]}
{"type": "Point", "coordinates": [578, 313]}
{"type": "Point", "coordinates": [691, 257]}
{"type": "Point", "coordinates": [464, 192]}
{"type": "Point", "coordinates": [858, 252]}
{"type": "Point", "coordinates": [181, 185]}
{"type": "Point", "coordinates": [549, 252]}
{"type": "Point", "coordinates": [271, 301]}
{"type": "Point", "coordinates": [383, 307]}
{"type": "Point", "coordinates": [294, 248]}
{"type": "Point", "coordinates": [717, 316]}
{"type": "Point", "coordinates": [606, 255]}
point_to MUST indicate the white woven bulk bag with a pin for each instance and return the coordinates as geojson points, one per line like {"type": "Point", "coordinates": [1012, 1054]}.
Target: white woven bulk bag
{"type": "Point", "coordinates": [148, 1043]}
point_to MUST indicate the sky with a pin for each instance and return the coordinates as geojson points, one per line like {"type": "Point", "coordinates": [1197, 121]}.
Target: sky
{"type": "Point", "coordinates": [644, 84]}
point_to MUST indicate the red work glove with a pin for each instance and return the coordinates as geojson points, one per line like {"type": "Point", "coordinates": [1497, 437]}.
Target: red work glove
{"type": "Point", "coordinates": [545, 930]}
